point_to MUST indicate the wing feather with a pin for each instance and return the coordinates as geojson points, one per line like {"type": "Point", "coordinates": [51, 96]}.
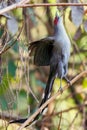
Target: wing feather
{"type": "Point", "coordinates": [42, 51]}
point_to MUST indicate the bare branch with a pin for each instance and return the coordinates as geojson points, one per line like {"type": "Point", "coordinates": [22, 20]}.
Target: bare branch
{"type": "Point", "coordinates": [6, 49]}
{"type": "Point", "coordinates": [14, 6]}
{"type": "Point", "coordinates": [7, 116]}
{"type": "Point", "coordinates": [24, 5]}
{"type": "Point", "coordinates": [69, 109]}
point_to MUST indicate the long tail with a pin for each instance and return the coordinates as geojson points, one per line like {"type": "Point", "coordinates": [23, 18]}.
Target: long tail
{"type": "Point", "coordinates": [46, 95]}
{"type": "Point", "coordinates": [47, 91]}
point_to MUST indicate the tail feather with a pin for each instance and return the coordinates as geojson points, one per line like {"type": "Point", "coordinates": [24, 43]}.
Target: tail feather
{"type": "Point", "coordinates": [48, 89]}
{"type": "Point", "coordinates": [18, 121]}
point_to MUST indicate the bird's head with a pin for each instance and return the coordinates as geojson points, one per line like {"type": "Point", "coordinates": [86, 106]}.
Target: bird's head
{"type": "Point", "coordinates": [56, 19]}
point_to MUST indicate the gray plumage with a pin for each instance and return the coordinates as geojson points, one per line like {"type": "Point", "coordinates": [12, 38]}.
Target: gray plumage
{"type": "Point", "coordinates": [55, 52]}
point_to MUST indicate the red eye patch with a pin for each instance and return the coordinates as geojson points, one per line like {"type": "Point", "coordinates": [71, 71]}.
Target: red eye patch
{"type": "Point", "coordinates": [55, 20]}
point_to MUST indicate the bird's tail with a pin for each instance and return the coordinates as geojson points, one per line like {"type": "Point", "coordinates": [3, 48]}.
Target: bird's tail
{"type": "Point", "coordinates": [47, 91]}
{"type": "Point", "coordinates": [46, 94]}
{"type": "Point", "coordinates": [45, 97]}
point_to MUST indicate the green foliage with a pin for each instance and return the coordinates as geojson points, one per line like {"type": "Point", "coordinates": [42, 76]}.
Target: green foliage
{"type": "Point", "coordinates": [15, 47]}
{"type": "Point", "coordinates": [11, 67]}
{"type": "Point", "coordinates": [22, 103]}
{"type": "Point", "coordinates": [5, 93]}
{"type": "Point", "coordinates": [53, 9]}
{"type": "Point", "coordinates": [85, 83]}
{"type": "Point", "coordinates": [5, 84]}
{"type": "Point", "coordinates": [1, 32]}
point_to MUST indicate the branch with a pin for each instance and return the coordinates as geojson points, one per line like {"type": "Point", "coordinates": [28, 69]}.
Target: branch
{"type": "Point", "coordinates": [7, 116]}
{"type": "Point", "coordinates": [24, 5]}
{"type": "Point", "coordinates": [6, 49]}
{"type": "Point", "coordinates": [14, 6]}
{"type": "Point", "coordinates": [69, 109]}
{"type": "Point", "coordinates": [30, 119]}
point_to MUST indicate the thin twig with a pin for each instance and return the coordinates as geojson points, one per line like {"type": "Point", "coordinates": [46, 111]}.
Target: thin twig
{"type": "Point", "coordinates": [5, 50]}
{"type": "Point", "coordinates": [27, 83]}
{"type": "Point", "coordinates": [24, 1]}
{"type": "Point", "coordinates": [71, 124]}
{"type": "Point", "coordinates": [7, 116]}
{"type": "Point", "coordinates": [69, 109]}
{"type": "Point", "coordinates": [30, 119]}
{"type": "Point", "coordinates": [60, 121]}
{"type": "Point", "coordinates": [24, 5]}
{"type": "Point", "coordinates": [14, 6]}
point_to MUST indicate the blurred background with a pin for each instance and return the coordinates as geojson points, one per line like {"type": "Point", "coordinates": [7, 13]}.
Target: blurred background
{"type": "Point", "coordinates": [22, 83]}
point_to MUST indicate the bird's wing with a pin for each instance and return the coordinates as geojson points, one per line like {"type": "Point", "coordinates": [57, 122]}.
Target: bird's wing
{"type": "Point", "coordinates": [42, 51]}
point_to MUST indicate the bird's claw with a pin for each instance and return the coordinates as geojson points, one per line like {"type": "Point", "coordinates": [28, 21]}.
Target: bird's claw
{"type": "Point", "coordinates": [61, 89]}
{"type": "Point", "coordinates": [68, 81]}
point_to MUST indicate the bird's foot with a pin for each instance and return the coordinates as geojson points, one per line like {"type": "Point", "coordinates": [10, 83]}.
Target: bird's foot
{"type": "Point", "coordinates": [61, 89]}
{"type": "Point", "coordinates": [68, 81]}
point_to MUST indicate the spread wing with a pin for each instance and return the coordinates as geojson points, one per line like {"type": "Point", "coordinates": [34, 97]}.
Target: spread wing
{"type": "Point", "coordinates": [42, 51]}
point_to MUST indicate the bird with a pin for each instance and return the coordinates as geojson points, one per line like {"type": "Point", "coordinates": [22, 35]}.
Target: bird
{"type": "Point", "coordinates": [52, 51]}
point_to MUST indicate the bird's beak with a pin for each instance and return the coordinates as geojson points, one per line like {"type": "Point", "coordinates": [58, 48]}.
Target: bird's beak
{"type": "Point", "coordinates": [57, 15]}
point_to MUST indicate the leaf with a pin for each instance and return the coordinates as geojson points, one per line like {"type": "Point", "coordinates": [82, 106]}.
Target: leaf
{"type": "Point", "coordinates": [0, 69]}
{"type": "Point", "coordinates": [83, 43]}
{"type": "Point", "coordinates": [22, 102]}
{"type": "Point", "coordinates": [15, 47]}
{"type": "Point", "coordinates": [77, 13]}
{"type": "Point", "coordinates": [77, 34]}
{"type": "Point", "coordinates": [1, 31]}
{"type": "Point", "coordinates": [11, 67]}
{"type": "Point", "coordinates": [85, 25]}
{"type": "Point", "coordinates": [53, 8]}
{"type": "Point", "coordinates": [85, 83]}
{"type": "Point", "coordinates": [4, 83]}
{"type": "Point", "coordinates": [6, 95]}
{"type": "Point", "coordinates": [17, 1]}
{"type": "Point", "coordinates": [30, 12]}
{"type": "Point", "coordinates": [40, 83]}
{"type": "Point", "coordinates": [62, 1]}
{"type": "Point", "coordinates": [3, 5]}
{"type": "Point", "coordinates": [79, 97]}
{"type": "Point", "coordinates": [12, 25]}
{"type": "Point", "coordinates": [10, 2]}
